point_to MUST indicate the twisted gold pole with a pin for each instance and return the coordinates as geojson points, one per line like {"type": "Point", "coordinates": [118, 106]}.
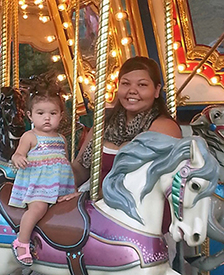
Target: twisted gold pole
{"type": "Point", "coordinates": [170, 73]}
{"type": "Point", "coordinates": [99, 111]}
{"type": "Point", "coordinates": [5, 79]}
{"type": "Point", "coordinates": [75, 76]}
{"type": "Point", "coordinates": [15, 31]}
{"type": "Point", "coordinates": [9, 38]}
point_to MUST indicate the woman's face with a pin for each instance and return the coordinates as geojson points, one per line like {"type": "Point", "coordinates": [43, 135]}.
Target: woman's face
{"type": "Point", "coordinates": [137, 92]}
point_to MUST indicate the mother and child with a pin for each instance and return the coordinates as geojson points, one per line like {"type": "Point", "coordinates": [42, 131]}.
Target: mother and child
{"type": "Point", "coordinates": [45, 175]}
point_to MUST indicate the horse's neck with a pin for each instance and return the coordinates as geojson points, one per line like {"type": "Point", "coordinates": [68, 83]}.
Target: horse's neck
{"type": "Point", "coordinates": [150, 209]}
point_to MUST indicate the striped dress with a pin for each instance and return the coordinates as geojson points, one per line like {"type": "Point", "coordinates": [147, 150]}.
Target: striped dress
{"type": "Point", "coordinates": [47, 175]}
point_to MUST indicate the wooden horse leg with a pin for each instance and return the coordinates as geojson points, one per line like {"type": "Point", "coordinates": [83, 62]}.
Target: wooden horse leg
{"type": "Point", "coordinates": [76, 263]}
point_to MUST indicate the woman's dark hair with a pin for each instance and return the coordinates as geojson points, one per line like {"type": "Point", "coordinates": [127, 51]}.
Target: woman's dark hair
{"type": "Point", "coordinates": [45, 91]}
{"type": "Point", "coordinates": [152, 67]}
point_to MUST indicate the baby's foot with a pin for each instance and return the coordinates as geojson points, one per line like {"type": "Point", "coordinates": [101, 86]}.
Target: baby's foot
{"type": "Point", "coordinates": [22, 252]}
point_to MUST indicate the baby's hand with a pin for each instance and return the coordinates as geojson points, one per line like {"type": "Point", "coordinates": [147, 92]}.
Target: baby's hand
{"type": "Point", "coordinates": [19, 161]}
{"type": "Point", "coordinates": [68, 197]}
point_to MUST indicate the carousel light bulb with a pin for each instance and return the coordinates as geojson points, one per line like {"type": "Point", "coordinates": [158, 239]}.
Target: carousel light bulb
{"type": "Point", "coordinates": [41, 6]}
{"type": "Point", "coordinates": [116, 73]}
{"type": "Point", "coordinates": [61, 77]}
{"type": "Point", "coordinates": [113, 53]}
{"type": "Point", "coordinates": [201, 69]}
{"type": "Point", "coordinates": [120, 16]}
{"type": "Point", "coordinates": [62, 7]}
{"type": "Point", "coordinates": [112, 77]}
{"type": "Point", "coordinates": [25, 16]}
{"type": "Point", "coordinates": [93, 88]}
{"type": "Point", "coordinates": [65, 25]}
{"type": "Point", "coordinates": [109, 87]}
{"type": "Point", "coordinates": [176, 45]}
{"type": "Point", "coordinates": [70, 42]}
{"type": "Point", "coordinates": [86, 81]}
{"type": "Point", "coordinates": [80, 79]}
{"type": "Point", "coordinates": [21, 2]}
{"type": "Point", "coordinates": [126, 40]}
{"type": "Point", "coordinates": [215, 79]}
{"type": "Point", "coordinates": [45, 19]}
{"type": "Point", "coordinates": [38, 2]}
{"type": "Point", "coordinates": [51, 38]}
{"type": "Point", "coordinates": [24, 6]}
{"type": "Point", "coordinates": [181, 67]}
{"type": "Point", "coordinates": [66, 97]}
{"type": "Point", "coordinates": [55, 58]}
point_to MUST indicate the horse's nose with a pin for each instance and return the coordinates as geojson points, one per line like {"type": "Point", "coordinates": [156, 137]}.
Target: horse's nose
{"type": "Point", "coordinates": [197, 229]}
{"type": "Point", "coordinates": [196, 237]}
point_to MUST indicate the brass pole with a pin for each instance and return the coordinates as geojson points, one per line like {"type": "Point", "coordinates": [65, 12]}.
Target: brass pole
{"type": "Point", "coordinates": [5, 80]}
{"type": "Point", "coordinates": [15, 32]}
{"type": "Point", "coordinates": [213, 48]}
{"type": "Point", "coordinates": [99, 111]}
{"type": "Point", "coordinates": [75, 76]}
{"type": "Point", "coordinates": [170, 74]}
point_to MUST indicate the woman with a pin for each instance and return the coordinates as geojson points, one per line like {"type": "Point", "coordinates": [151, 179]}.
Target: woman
{"type": "Point", "coordinates": [140, 107]}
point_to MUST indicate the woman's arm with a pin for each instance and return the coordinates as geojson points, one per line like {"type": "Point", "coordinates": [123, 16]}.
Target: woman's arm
{"type": "Point", "coordinates": [81, 173]}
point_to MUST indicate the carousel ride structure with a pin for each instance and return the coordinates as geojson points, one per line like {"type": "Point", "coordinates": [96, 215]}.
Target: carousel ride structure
{"type": "Point", "coordinates": [188, 183]}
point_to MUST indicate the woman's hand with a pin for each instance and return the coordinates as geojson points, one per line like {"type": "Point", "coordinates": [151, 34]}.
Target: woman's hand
{"type": "Point", "coordinates": [68, 197]}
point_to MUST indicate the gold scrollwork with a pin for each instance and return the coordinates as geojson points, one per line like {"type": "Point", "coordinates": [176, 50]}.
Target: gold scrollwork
{"type": "Point", "coordinates": [194, 51]}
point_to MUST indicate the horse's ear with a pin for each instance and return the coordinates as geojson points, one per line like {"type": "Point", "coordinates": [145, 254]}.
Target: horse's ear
{"type": "Point", "coordinates": [197, 159]}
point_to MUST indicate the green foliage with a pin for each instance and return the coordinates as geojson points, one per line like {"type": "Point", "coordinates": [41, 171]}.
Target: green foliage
{"type": "Point", "coordinates": [34, 62]}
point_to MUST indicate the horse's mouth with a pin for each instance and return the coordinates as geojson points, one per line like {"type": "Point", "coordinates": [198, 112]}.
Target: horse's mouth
{"type": "Point", "coordinates": [181, 232]}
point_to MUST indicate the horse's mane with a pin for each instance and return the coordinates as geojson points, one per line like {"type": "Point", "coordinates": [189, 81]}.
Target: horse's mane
{"type": "Point", "coordinates": [202, 126]}
{"type": "Point", "coordinates": [165, 153]}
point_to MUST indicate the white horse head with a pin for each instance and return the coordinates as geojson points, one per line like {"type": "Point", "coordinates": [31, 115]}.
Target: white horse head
{"type": "Point", "coordinates": [184, 171]}
{"type": "Point", "coordinates": [189, 214]}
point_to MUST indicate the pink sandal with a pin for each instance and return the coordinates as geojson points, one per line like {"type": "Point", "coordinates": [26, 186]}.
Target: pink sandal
{"type": "Point", "coordinates": [27, 255]}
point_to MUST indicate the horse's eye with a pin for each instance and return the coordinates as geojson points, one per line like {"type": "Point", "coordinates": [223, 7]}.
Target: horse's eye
{"type": "Point", "coordinates": [196, 186]}
{"type": "Point", "coordinates": [217, 115]}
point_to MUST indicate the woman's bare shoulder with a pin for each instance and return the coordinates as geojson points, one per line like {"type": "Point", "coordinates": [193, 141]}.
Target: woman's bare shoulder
{"type": "Point", "coordinates": [166, 126]}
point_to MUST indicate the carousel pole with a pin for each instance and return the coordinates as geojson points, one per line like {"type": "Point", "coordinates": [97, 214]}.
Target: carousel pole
{"type": "Point", "coordinates": [5, 54]}
{"type": "Point", "coordinates": [99, 111]}
{"type": "Point", "coordinates": [171, 99]}
{"type": "Point", "coordinates": [170, 73]}
{"type": "Point", "coordinates": [15, 32]}
{"type": "Point", "coordinates": [75, 76]}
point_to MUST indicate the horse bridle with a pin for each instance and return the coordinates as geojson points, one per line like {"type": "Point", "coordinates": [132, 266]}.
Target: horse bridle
{"type": "Point", "coordinates": [177, 189]}
{"type": "Point", "coordinates": [213, 127]}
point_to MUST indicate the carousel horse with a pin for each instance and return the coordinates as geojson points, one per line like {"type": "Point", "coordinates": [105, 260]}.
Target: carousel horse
{"type": "Point", "coordinates": [11, 128]}
{"type": "Point", "coordinates": [122, 233]}
{"type": "Point", "coordinates": [209, 124]}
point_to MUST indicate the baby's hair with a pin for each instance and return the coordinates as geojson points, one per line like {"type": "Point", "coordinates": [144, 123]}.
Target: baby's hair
{"type": "Point", "coordinates": [45, 91]}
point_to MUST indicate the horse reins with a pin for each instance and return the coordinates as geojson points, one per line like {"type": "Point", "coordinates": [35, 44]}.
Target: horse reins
{"type": "Point", "coordinates": [177, 189]}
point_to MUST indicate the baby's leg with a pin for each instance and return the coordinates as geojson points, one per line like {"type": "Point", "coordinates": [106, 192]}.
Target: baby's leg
{"type": "Point", "coordinates": [36, 210]}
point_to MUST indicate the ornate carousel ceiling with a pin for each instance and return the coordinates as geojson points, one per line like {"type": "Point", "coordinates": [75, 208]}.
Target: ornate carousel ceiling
{"type": "Point", "coordinates": [136, 27]}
